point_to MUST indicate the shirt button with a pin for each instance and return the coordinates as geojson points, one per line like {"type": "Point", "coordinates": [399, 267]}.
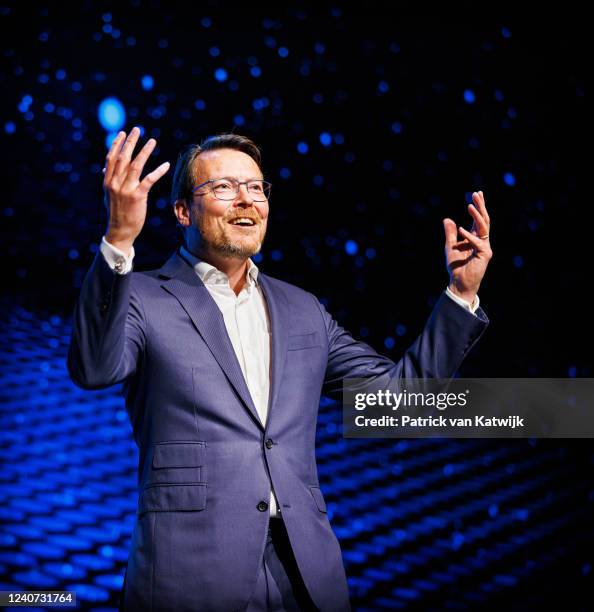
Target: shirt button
{"type": "Point", "coordinates": [262, 506]}
{"type": "Point", "coordinates": [269, 443]}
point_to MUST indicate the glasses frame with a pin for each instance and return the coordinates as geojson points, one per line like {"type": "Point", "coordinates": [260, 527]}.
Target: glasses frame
{"type": "Point", "coordinates": [265, 185]}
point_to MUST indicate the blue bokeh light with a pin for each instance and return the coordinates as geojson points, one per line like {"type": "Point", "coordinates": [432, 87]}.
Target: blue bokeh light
{"type": "Point", "coordinates": [112, 114]}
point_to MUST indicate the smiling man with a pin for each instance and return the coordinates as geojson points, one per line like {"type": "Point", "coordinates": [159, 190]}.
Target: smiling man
{"type": "Point", "coordinates": [223, 368]}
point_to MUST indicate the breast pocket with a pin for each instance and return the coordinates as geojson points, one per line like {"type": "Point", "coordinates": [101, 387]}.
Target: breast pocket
{"type": "Point", "coordinates": [303, 341]}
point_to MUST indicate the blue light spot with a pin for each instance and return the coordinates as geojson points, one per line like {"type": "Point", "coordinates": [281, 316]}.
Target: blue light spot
{"type": "Point", "coordinates": [383, 86]}
{"type": "Point", "coordinates": [351, 247]}
{"type": "Point", "coordinates": [43, 78]}
{"type": "Point", "coordinates": [221, 75]}
{"type": "Point", "coordinates": [10, 127]}
{"type": "Point", "coordinates": [107, 28]}
{"type": "Point", "coordinates": [214, 51]}
{"type": "Point", "coordinates": [469, 96]}
{"type": "Point", "coordinates": [326, 139]}
{"type": "Point", "coordinates": [60, 74]}
{"type": "Point", "coordinates": [106, 551]}
{"type": "Point", "coordinates": [302, 147]}
{"type": "Point", "coordinates": [397, 127]}
{"type": "Point", "coordinates": [448, 469]}
{"type": "Point", "coordinates": [400, 329]}
{"type": "Point", "coordinates": [239, 120]}
{"type": "Point", "coordinates": [76, 86]}
{"type": "Point", "coordinates": [572, 372]}
{"type": "Point", "coordinates": [505, 32]}
{"type": "Point", "coordinates": [200, 104]}
{"type": "Point", "coordinates": [73, 254]}
{"type": "Point", "coordinates": [509, 179]}
{"type": "Point", "coordinates": [319, 48]}
{"type": "Point", "coordinates": [206, 22]}
{"type": "Point", "coordinates": [283, 51]}
{"type": "Point", "coordinates": [147, 82]}
{"type": "Point", "coordinates": [499, 95]}
{"type": "Point", "coordinates": [493, 510]}
{"type": "Point", "coordinates": [389, 342]}
{"type": "Point", "coordinates": [370, 253]}
{"type": "Point", "coordinates": [256, 71]}
{"type": "Point", "coordinates": [276, 255]}
{"type": "Point", "coordinates": [457, 541]}
{"type": "Point", "coordinates": [522, 514]}
{"type": "Point", "coordinates": [112, 115]}
{"type": "Point", "coordinates": [106, 17]}
{"type": "Point", "coordinates": [257, 258]}
{"type": "Point", "coordinates": [285, 173]}
{"type": "Point", "coordinates": [518, 261]}
{"type": "Point", "coordinates": [318, 180]}
{"type": "Point", "coordinates": [338, 139]}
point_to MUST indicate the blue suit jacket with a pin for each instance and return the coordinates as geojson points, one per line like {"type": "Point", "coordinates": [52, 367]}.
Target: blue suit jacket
{"type": "Point", "coordinates": [206, 462]}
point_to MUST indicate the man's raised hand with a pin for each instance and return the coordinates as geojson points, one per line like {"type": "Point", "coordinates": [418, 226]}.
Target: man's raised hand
{"type": "Point", "coordinates": [467, 259]}
{"type": "Point", "coordinates": [125, 194]}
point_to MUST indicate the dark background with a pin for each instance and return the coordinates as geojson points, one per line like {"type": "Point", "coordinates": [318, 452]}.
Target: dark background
{"type": "Point", "coordinates": [403, 119]}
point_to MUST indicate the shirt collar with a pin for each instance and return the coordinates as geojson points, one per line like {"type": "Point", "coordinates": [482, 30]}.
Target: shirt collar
{"type": "Point", "coordinates": [210, 275]}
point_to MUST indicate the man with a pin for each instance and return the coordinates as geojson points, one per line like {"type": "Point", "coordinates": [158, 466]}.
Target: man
{"type": "Point", "coordinates": [223, 369]}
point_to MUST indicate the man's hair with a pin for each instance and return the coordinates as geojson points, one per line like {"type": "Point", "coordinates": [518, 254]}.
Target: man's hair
{"type": "Point", "coordinates": [184, 179]}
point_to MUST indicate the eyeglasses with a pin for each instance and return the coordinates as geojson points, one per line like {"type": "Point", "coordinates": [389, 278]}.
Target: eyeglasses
{"type": "Point", "coordinates": [227, 188]}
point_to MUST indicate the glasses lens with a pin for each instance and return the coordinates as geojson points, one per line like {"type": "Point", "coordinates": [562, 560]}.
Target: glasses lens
{"type": "Point", "coordinates": [259, 190]}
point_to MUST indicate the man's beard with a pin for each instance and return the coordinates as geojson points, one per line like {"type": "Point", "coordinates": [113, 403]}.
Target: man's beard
{"type": "Point", "coordinates": [222, 244]}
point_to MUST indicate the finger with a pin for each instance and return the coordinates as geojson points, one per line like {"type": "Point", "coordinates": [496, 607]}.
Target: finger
{"type": "Point", "coordinates": [137, 165]}
{"type": "Point", "coordinates": [112, 154]}
{"type": "Point", "coordinates": [123, 159]}
{"type": "Point", "coordinates": [480, 226]}
{"type": "Point", "coordinates": [480, 203]}
{"type": "Point", "coordinates": [480, 245]}
{"type": "Point", "coordinates": [451, 234]}
{"type": "Point", "coordinates": [152, 177]}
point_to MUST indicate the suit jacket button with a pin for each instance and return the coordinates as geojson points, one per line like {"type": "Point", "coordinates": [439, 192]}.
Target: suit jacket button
{"type": "Point", "coordinates": [103, 308]}
{"type": "Point", "coordinates": [269, 443]}
{"type": "Point", "coordinates": [262, 506]}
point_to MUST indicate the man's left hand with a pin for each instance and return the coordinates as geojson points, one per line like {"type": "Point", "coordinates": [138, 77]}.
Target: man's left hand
{"type": "Point", "coordinates": [467, 259]}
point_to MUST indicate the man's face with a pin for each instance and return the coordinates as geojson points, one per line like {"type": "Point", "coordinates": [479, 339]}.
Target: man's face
{"type": "Point", "coordinates": [213, 218]}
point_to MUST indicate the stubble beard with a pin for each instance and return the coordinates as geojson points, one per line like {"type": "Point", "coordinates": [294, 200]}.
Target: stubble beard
{"type": "Point", "coordinates": [222, 244]}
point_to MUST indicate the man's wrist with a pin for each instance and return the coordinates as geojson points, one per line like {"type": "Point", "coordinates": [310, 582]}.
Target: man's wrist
{"type": "Point", "coordinates": [126, 246]}
{"type": "Point", "coordinates": [469, 297]}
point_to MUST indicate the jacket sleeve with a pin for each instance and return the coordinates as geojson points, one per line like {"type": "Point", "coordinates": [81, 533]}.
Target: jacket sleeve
{"type": "Point", "coordinates": [108, 328]}
{"type": "Point", "coordinates": [449, 334]}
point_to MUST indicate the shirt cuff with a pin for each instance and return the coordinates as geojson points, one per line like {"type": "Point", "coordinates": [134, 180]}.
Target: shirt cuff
{"type": "Point", "coordinates": [116, 259]}
{"type": "Point", "coordinates": [470, 307]}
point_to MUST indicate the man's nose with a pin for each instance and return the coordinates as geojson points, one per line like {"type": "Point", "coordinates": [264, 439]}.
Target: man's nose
{"type": "Point", "coordinates": [244, 197]}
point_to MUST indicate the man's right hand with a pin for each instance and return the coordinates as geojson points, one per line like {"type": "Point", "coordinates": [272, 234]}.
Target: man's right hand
{"type": "Point", "coordinates": [125, 194]}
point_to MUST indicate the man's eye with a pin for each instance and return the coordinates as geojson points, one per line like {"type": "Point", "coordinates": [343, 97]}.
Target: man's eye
{"type": "Point", "coordinates": [256, 186]}
{"type": "Point", "coordinates": [222, 186]}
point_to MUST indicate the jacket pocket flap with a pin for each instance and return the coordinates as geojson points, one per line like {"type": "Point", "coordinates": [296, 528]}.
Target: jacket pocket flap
{"type": "Point", "coordinates": [178, 454]}
{"type": "Point", "coordinates": [318, 498]}
{"type": "Point", "coordinates": [172, 498]}
{"type": "Point", "coordinates": [302, 341]}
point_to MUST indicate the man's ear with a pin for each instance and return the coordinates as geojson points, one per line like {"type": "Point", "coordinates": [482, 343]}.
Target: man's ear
{"type": "Point", "coordinates": [182, 212]}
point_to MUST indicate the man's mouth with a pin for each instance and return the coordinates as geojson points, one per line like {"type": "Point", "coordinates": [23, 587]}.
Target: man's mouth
{"type": "Point", "coordinates": [243, 222]}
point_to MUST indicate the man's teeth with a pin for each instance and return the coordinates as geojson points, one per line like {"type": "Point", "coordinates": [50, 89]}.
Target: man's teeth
{"type": "Point", "coordinates": [243, 221]}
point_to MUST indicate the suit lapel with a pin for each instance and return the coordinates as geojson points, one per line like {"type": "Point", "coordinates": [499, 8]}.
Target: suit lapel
{"type": "Point", "coordinates": [278, 310]}
{"type": "Point", "coordinates": [181, 281]}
